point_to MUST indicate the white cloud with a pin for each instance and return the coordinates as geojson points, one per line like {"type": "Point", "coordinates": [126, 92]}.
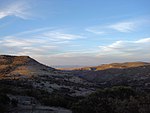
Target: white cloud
{"type": "Point", "coordinates": [123, 26]}
{"type": "Point", "coordinates": [125, 49]}
{"type": "Point", "coordinates": [15, 42]}
{"type": "Point", "coordinates": [53, 46]}
{"type": "Point", "coordinates": [95, 30]}
{"type": "Point", "coordinates": [135, 49]}
{"type": "Point", "coordinates": [18, 9]}
{"type": "Point", "coordinates": [76, 53]}
{"type": "Point", "coordinates": [145, 40]}
{"type": "Point", "coordinates": [59, 36]}
{"type": "Point", "coordinates": [33, 47]}
{"type": "Point", "coordinates": [44, 42]}
{"type": "Point", "coordinates": [119, 51]}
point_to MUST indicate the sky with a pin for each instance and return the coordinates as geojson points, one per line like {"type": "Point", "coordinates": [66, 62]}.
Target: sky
{"type": "Point", "coordinates": [76, 32]}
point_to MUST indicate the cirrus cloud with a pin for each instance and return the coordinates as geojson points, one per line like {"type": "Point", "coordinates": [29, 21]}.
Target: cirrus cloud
{"type": "Point", "coordinates": [131, 49]}
{"type": "Point", "coordinates": [119, 51]}
{"type": "Point", "coordinates": [122, 27]}
{"type": "Point", "coordinates": [19, 9]}
{"type": "Point", "coordinates": [37, 42]}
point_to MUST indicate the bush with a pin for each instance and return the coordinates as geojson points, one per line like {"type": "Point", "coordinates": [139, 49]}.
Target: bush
{"type": "Point", "coordinates": [4, 102]}
{"type": "Point", "coordinates": [114, 100]}
{"type": "Point", "coordinates": [65, 101]}
{"type": "Point", "coordinates": [14, 102]}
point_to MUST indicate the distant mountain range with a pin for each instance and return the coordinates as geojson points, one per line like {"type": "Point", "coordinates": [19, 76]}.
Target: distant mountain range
{"type": "Point", "coordinates": [109, 66]}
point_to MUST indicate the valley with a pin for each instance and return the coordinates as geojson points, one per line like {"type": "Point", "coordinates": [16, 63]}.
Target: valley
{"type": "Point", "coordinates": [29, 86]}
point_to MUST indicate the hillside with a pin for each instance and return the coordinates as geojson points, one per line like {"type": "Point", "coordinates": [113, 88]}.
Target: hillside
{"type": "Point", "coordinates": [23, 66]}
{"type": "Point", "coordinates": [24, 79]}
{"type": "Point", "coordinates": [110, 66]}
{"type": "Point", "coordinates": [136, 75]}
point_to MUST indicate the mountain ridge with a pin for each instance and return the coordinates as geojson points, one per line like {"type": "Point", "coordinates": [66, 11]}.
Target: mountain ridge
{"type": "Point", "coordinates": [109, 66]}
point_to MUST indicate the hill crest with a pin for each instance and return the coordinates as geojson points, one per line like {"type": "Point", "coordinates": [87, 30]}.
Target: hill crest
{"type": "Point", "coordinates": [110, 66]}
{"type": "Point", "coordinates": [21, 66]}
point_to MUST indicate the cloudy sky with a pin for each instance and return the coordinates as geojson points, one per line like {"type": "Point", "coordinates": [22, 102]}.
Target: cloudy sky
{"type": "Point", "coordinates": [76, 32]}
